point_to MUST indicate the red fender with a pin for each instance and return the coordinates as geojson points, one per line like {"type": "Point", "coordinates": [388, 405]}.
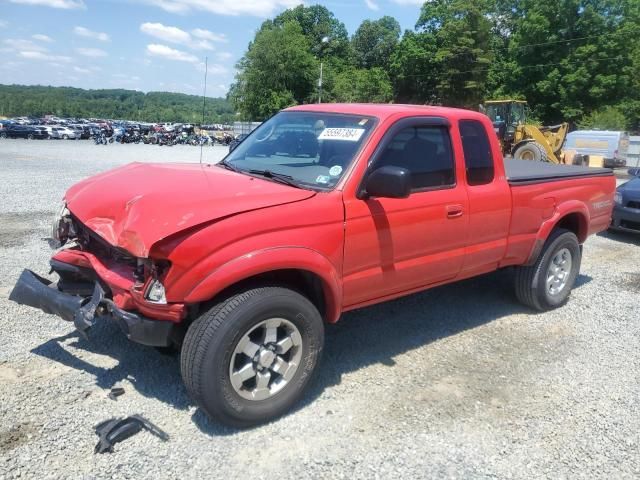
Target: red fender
{"type": "Point", "coordinates": [560, 212]}
{"type": "Point", "coordinates": [268, 260]}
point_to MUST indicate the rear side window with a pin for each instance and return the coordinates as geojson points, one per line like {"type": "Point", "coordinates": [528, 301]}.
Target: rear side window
{"type": "Point", "coordinates": [425, 152]}
{"type": "Point", "coordinates": [477, 152]}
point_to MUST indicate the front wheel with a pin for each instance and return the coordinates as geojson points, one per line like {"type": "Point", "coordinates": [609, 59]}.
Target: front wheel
{"type": "Point", "coordinates": [547, 283]}
{"type": "Point", "coordinates": [65, 137]}
{"type": "Point", "coordinates": [249, 358]}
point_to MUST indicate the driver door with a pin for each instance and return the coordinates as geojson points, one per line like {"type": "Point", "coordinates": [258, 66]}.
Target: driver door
{"type": "Point", "coordinates": [397, 245]}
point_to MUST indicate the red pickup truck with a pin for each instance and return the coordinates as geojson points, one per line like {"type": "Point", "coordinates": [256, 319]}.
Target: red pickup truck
{"type": "Point", "coordinates": [321, 210]}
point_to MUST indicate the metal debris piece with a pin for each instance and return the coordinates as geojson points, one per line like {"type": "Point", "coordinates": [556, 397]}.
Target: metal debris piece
{"type": "Point", "coordinates": [115, 393]}
{"type": "Point", "coordinates": [118, 429]}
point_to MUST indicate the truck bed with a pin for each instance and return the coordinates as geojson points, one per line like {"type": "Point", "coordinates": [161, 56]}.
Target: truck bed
{"type": "Point", "coordinates": [524, 172]}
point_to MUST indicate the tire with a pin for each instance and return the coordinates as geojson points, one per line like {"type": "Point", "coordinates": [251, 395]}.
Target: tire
{"type": "Point", "coordinates": [65, 137]}
{"type": "Point", "coordinates": [531, 151]}
{"type": "Point", "coordinates": [3, 135]}
{"type": "Point", "coordinates": [212, 341]}
{"type": "Point", "coordinates": [532, 288]}
{"type": "Point", "coordinates": [30, 137]}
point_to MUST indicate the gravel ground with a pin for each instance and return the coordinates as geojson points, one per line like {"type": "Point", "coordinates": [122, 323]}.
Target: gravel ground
{"type": "Point", "coordinates": [457, 382]}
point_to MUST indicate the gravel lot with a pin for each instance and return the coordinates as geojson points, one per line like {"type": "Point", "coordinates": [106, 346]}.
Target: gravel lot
{"type": "Point", "coordinates": [457, 382]}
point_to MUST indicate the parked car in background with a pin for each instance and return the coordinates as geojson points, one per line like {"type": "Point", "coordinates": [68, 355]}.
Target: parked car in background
{"type": "Point", "coordinates": [63, 133]}
{"type": "Point", "coordinates": [611, 145]}
{"type": "Point", "coordinates": [45, 131]}
{"type": "Point", "coordinates": [626, 211]}
{"type": "Point", "coordinates": [22, 131]}
{"type": "Point", "coordinates": [82, 131]}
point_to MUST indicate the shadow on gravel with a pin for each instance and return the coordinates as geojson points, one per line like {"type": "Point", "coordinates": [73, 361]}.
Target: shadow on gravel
{"type": "Point", "coordinates": [151, 373]}
{"type": "Point", "coordinates": [622, 237]}
{"type": "Point", "coordinates": [364, 337]}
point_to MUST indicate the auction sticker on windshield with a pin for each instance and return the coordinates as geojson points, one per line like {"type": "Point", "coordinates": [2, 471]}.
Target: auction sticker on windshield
{"type": "Point", "coordinates": [348, 134]}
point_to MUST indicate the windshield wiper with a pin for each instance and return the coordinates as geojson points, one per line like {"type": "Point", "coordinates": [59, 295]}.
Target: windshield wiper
{"type": "Point", "coordinates": [280, 177]}
{"type": "Point", "coordinates": [228, 166]}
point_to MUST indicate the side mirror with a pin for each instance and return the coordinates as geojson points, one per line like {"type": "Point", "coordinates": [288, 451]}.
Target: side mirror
{"type": "Point", "coordinates": [634, 172]}
{"type": "Point", "coordinates": [389, 182]}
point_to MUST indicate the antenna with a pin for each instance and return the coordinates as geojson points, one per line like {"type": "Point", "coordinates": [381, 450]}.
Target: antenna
{"type": "Point", "coordinates": [204, 102]}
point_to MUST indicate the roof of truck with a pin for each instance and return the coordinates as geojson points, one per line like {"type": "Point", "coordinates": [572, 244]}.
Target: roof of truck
{"type": "Point", "coordinates": [383, 110]}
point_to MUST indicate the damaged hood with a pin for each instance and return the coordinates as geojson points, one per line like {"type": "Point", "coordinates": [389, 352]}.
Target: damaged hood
{"type": "Point", "coordinates": [135, 206]}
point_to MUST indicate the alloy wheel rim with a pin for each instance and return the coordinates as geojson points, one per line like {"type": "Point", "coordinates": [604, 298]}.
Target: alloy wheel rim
{"type": "Point", "coordinates": [559, 271]}
{"type": "Point", "coordinates": [265, 359]}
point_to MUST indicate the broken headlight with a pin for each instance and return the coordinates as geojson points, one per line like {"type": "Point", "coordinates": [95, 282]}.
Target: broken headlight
{"type": "Point", "coordinates": [62, 228]}
{"type": "Point", "coordinates": [155, 292]}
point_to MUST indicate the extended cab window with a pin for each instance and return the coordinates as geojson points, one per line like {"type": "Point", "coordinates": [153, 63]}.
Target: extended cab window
{"type": "Point", "coordinates": [425, 152]}
{"type": "Point", "coordinates": [477, 152]}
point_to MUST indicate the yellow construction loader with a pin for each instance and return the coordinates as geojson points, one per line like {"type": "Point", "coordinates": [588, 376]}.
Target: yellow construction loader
{"type": "Point", "coordinates": [521, 140]}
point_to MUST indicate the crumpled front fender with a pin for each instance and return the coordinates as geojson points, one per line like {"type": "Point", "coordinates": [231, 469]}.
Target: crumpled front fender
{"type": "Point", "coordinates": [269, 260]}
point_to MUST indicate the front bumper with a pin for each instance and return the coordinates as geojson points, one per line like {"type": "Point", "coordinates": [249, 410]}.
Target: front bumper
{"type": "Point", "coordinates": [625, 219]}
{"type": "Point", "coordinates": [83, 311]}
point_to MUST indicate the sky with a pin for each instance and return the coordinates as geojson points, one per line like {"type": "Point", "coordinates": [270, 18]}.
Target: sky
{"type": "Point", "coordinates": [149, 45]}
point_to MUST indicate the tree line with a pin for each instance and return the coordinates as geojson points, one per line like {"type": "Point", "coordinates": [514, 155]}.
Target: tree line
{"type": "Point", "coordinates": [572, 60]}
{"type": "Point", "coordinates": [19, 100]}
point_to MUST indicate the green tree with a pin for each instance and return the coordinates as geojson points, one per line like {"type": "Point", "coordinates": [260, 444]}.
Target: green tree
{"type": "Point", "coordinates": [569, 57]}
{"type": "Point", "coordinates": [414, 69]}
{"type": "Point", "coordinates": [317, 22]}
{"type": "Point", "coordinates": [363, 85]}
{"type": "Point", "coordinates": [462, 34]}
{"type": "Point", "coordinates": [375, 41]}
{"type": "Point", "coordinates": [608, 118]}
{"type": "Point", "coordinates": [16, 100]}
{"type": "Point", "coordinates": [277, 71]}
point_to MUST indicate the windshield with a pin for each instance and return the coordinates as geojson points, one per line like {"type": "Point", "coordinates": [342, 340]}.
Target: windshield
{"type": "Point", "coordinates": [312, 149]}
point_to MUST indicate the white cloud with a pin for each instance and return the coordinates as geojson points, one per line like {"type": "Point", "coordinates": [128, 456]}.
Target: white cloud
{"type": "Point", "coordinates": [417, 3]}
{"type": "Point", "coordinates": [224, 56]}
{"type": "Point", "coordinates": [34, 55]}
{"type": "Point", "coordinates": [64, 4]}
{"type": "Point", "coordinates": [165, 33]}
{"type": "Point", "coordinates": [19, 44]}
{"type": "Point", "coordinates": [372, 5]}
{"type": "Point", "coordinates": [176, 35]}
{"type": "Point", "coordinates": [208, 35]}
{"type": "Point", "coordinates": [212, 68]}
{"type": "Point", "coordinates": [85, 32]}
{"type": "Point", "coordinates": [42, 38]}
{"type": "Point", "coordinates": [3, 23]}
{"type": "Point", "coordinates": [169, 53]}
{"type": "Point", "coordinates": [258, 8]}
{"type": "Point", "coordinates": [126, 78]}
{"type": "Point", "coordinates": [202, 45]}
{"type": "Point", "coordinates": [84, 71]}
{"type": "Point", "coordinates": [91, 52]}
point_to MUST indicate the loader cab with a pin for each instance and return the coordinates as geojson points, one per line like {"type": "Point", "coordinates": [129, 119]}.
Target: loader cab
{"type": "Point", "coordinates": [506, 116]}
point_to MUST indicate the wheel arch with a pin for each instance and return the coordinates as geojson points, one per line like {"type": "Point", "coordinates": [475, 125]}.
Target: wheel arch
{"type": "Point", "coordinates": [573, 216]}
{"type": "Point", "coordinates": [300, 269]}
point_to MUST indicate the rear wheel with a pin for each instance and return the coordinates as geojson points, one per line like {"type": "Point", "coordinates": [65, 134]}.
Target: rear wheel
{"type": "Point", "coordinates": [249, 358]}
{"type": "Point", "coordinates": [3, 135]}
{"type": "Point", "coordinates": [65, 137]}
{"type": "Point", "coordinates": [547, 283]}
{"type": "Point", "coordinates": [531, 151]}
{"type": "Point", "coordinates": [30, 136]}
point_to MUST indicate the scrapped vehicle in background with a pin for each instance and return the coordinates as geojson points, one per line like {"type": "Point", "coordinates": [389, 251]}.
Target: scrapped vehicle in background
{"type": "Point", "coordinates": [626, 212]}
{"type": "Point", "coordinates": [22, 131]}
{"type": "Point", "coordinates": [320, 210]}
{"type": "Point", "coordinates": [612, 146]}
{"type": "Point", "coordinates": [63, 133]}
